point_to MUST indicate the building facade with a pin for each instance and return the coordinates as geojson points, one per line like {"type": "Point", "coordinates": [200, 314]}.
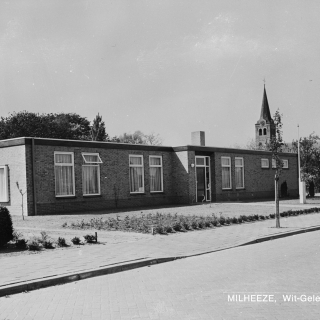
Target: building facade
{"type": "Point", "coordinates": [65, 176]}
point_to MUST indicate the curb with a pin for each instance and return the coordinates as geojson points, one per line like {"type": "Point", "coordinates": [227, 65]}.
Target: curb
{"type": "Point", "coordinates": [27, 286]}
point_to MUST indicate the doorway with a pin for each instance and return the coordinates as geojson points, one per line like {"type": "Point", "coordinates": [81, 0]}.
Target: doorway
{"type": "Point", "coordinates": [203, 179]}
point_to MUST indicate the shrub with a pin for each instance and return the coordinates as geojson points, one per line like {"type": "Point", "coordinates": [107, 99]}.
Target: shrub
{"type": "Point", "coordinates": [262, 217]}
{"type": "Point", "coordinates": [61, 242]}
{"type": "Point", "coordinates": [6, 230]}
{"type": "Point", "coordinates": [234, 220]}
{"type": "Point", "coordinates": [34, 245]}
{"type": "Point", "coordinates": [48, 244]}
{"type": "Point", "coordinates": [16, 235]}
{"type": "Point", "coordinates": [21, 243]}
{"type": "Point", "coordinates": [90, 238]}
{"type": "Point", "coordinates": [76, 241]}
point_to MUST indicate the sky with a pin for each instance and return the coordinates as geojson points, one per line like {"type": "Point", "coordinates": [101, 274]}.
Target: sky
{"type": "Point", "coordinates": [169, 66]}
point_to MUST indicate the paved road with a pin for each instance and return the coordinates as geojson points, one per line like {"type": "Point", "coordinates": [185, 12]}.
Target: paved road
{"type": "Point", "coordinates": [192, 288]}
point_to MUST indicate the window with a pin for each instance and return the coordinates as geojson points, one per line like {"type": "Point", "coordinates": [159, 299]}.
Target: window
{"type": "Point", "coordinates": [64, 173]}
{"type": "Point", "coordinates": [264, 163]}
{"type": "Point", "coordinates": [136, 174]}
{"type": "Point", "coordinates": [285, 164]}
{"type": "Point", "coordinates": [260, 132]}
{"type": "Point", "coordinates": [226, 172]}
{"type": "Point", "coordinates": [4, 192]}
{"type": "Point", "coordinates": [156, 177]}
{"type": "Point", "coordinates": [91, 174]}
{"type": "Point", "coordinates": [274, 163]}
{"type": "Point", "coordinates": [264, 131]}
{"type": "Point", "coordinates": [239, 168]}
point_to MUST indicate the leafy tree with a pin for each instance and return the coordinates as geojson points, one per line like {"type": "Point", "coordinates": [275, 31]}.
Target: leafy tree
{"type": "Point", "coordinates": [276, 145]}
{"type": "Point", "coordinates": [309, 158]}
{"type": "Point", "coordinates": [57, 126]}
{"type": "Point", "coordinates": [139, 137]}
{"type": "Point", "coordinates": [98, 130]}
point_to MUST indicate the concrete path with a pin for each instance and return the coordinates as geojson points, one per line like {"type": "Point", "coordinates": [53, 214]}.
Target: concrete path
{"type": "Point", "coordinates": [118, 248]}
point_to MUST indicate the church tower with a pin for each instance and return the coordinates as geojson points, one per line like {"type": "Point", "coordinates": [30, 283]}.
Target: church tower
{"type": "Point", "coordinates": [265, 127]}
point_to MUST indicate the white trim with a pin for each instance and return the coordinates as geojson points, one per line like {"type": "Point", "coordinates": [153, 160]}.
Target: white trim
{"type": "Point", "coordinates": [226, 166]}
{"type": "Point", "coordinates": [263, 159]}
{"type": "Point", "coordinates": [135, 166]}
{"type": "Point", "coordinates": [64, 164]}
{"type": "Point", "coordinates": [5, 183]}
{"type": "Point", "coordinates": [91, 154]}
{"type": "Point", "coordinates": [99, 189]}
{"type": "Point", "coordinates": [207, 169]}
{"type": "Point", "coordinates": [239, 166]}
{"type": "Point", "coordinates": [157, 166]}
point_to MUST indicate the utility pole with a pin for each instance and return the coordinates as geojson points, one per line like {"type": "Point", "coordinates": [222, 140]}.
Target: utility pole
{"type": "Point", "coordinates": [302, 184]}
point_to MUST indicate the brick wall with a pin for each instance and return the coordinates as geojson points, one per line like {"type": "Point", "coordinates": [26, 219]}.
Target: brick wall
{"type": "Point", "coordinates": [114, 181]}
{"type": "Point", "coordinates": [15, 158]}
{"type": "Point", "coordinates": [258, 182]}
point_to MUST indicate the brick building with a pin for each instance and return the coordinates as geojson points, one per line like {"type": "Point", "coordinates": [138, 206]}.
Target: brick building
{"type": "Point", "coordinates": [62, 176]}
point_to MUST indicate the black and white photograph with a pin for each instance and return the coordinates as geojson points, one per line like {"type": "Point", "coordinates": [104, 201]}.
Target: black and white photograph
{"type": "Point", "coordinates": [159, 159]}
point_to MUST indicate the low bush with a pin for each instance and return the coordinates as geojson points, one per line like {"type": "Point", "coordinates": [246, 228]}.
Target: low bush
{"type": "Point", "coordinates": [34, 245]}
{"type": "Point", "coordinates": [21, 244]}
{"type": "Point", "coordinates": [76, 241]}
{"type": "Point", "coordinates": [90, 238]}
{"type": "Point", "coordinates": [61, 242]}
{"type": "Point", "coordinates": [48, 244]}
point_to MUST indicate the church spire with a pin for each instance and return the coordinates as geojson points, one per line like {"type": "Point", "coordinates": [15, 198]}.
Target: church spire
{"type": "Point", "coordinates": [265, 111]}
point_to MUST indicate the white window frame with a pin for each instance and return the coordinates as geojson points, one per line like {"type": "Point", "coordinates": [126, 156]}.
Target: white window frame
{"type": "Point", "coordinates": [226, 166]}
{"type": "Point", "coordinates": [239, 166]}
{"type": "Point", "coordinates": [6, 184]}
{"type": "Point", "coordinates": [91, 154]}
{"type": "Point", "coordinates": [91, 164]}
{"type": "Point", "coordinates": [267, 166]}
{"type": "Point", "coordinates": [134, 166]}
{"type": "Point", "coordinates": [285, 164]}
{"type": "Point", "coordinates": [274, 165]}
{"type": "Point", "coordinates": [157, 166]}
{"type": "Point", "coordinates": [64, 164]}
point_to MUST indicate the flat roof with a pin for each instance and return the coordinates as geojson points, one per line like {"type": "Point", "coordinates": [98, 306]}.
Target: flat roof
{"type": "Point", "coordinates": [114, 145]}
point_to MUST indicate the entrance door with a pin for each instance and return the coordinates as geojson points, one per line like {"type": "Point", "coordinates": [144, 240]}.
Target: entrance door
{"type": "Point", "coordinates": [203, 188]}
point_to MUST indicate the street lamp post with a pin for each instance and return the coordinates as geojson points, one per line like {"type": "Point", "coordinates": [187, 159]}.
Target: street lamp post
{"type": "Point", "coordinates": [302, 184]}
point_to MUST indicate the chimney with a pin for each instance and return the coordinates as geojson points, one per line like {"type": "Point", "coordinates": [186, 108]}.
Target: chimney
{"type": "Point", "coordinates": [198, 138]}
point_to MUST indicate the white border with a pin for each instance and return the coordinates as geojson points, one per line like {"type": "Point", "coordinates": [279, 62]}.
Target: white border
{"type": "Point", "coordinates": [134, 166]}
{"type": "Point", "coordinates": [60, 165]}
{"type": "Point", "coordinates": [5, 183]}
{"type": "Point", "coordinates": [226, 166]}
{"type": "Point", "coordinates": [265, 166]}
{"type": "Point", "coordinates": [238, 166]}
{"type": "Point", "coordinates": [157, 166]}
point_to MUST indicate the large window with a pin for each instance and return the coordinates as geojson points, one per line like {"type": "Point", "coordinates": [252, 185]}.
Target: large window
{"type": "Point", "coordinates": [136, 174]}
{"type": "Point", "coordinates": [64, 173]}
{"type": "Point", "coordinates": [91, 174]}
{"type": "Point", "coordinates": [4, 192]}
{"type": "Point", "coordinates": [239, 170]}
{"type": "Point", "coordinates": [156, 177]}
{"type": "Point", "coordinates": [226, 172]}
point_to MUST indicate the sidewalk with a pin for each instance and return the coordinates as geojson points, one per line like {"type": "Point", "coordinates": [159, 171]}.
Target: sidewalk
{"type": "Point", "coordinates": [120, 250]}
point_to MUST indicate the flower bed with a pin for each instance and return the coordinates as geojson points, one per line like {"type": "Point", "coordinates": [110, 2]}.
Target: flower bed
{"type": "Point", "coordinates": [160, 223]}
